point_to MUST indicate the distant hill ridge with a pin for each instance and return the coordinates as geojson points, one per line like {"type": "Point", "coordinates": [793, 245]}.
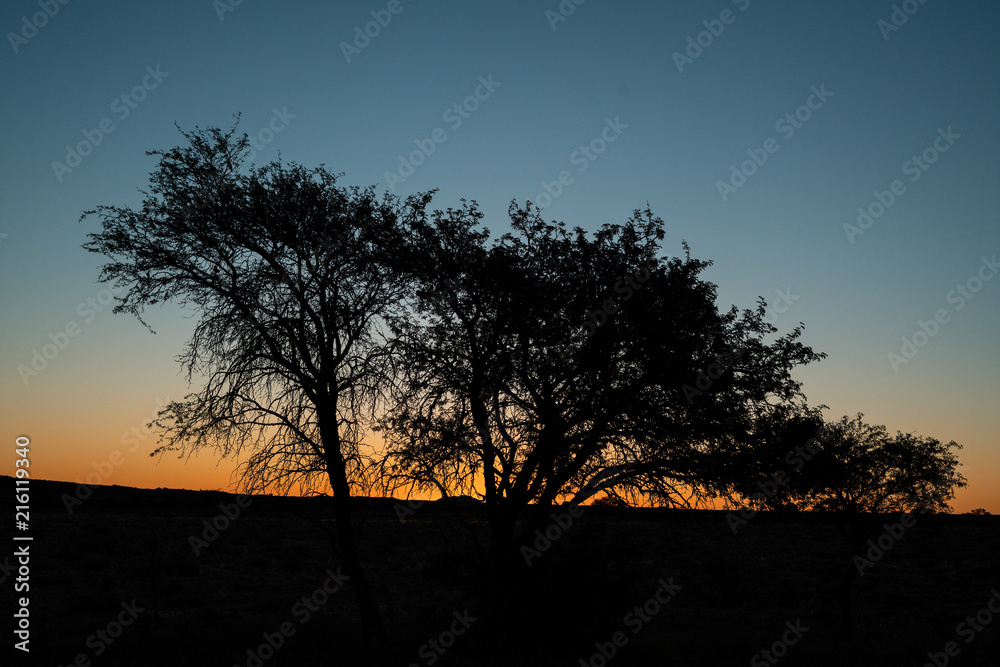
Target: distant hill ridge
{"type": "Point", "coordinates": [48, 495]}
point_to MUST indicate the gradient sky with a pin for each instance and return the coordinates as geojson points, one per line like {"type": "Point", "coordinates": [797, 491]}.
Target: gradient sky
{"type": "Point", "coordinates": [556, 86]}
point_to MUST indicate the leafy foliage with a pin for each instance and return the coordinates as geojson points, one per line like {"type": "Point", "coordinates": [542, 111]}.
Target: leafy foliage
{"type": "Point", "coordinates": [561, 364]}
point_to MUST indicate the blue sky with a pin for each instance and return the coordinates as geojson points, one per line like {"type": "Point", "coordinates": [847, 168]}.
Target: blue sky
{"type": "Point", "coordinates": [555, 86]}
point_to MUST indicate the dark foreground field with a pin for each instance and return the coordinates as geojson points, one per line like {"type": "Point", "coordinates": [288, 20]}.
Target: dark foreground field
{"type": "Point", "coordinates": [125, 556]}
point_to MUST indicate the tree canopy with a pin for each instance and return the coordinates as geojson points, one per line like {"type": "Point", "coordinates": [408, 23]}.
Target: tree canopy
{"type": "Point", "coordinates": [290, 350]}
{"type": "Point", "coordinates": [864, 469]}
{"type": "Point", "coordinates": [561, 362]}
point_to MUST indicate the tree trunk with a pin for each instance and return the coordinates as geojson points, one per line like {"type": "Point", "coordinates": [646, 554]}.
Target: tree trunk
{"type": "Point", "coordinates": [346, 545]}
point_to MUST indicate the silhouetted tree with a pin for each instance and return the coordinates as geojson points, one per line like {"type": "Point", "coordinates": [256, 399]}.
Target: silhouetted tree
{"type": "Point", "coordinates": [862, 469]}
{"type": "Point", "coordinates": [552, 364]}
{"type": "Point", "coordinates": [861, 474]}
{"type": "Point", "coordinates": [289, 347]}
{"type": "Point", "coordinates": [765, 470]}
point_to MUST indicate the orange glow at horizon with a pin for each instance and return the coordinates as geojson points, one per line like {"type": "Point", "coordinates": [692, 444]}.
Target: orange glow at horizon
{"type": "Point", "coordinates": [137, 469]}
{"type": "Point", "coordinates": [94, 441]}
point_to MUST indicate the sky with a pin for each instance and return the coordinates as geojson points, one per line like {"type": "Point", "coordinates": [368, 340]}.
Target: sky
{"type": "Point", "coordinates": [839, 160]}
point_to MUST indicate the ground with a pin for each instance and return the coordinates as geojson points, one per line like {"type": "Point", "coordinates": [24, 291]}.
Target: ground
{"type": "Point", "coordinates": [124, 563]}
